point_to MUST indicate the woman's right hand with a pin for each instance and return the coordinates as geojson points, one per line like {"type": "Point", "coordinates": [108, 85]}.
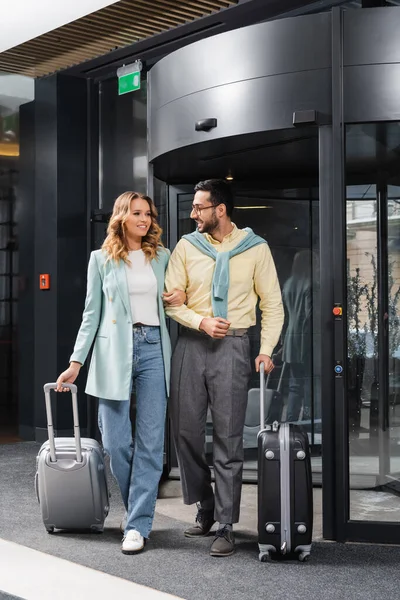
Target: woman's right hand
{"type": "Point", "coordinates": [68, 376]}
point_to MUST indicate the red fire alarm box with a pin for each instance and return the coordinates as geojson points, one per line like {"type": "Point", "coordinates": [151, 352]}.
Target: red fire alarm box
{"type": "Point", "coordinates": [44, 281]}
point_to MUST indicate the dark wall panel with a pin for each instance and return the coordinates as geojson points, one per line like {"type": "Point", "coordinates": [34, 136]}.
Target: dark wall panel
{"type": "Point", "coordinates": [45, 356]}
{"type": "Point", "coordinates": [25, 218]}
{"type": "Point", "coordinates": [371, 93]}
{"type": "Point", "coordinates": [122, 141]}
{"type": "Point", "coordinates": [371, 36]}
{"type": "Point", "coordinates": [71, 227]}
{"type": "Point", "coordinates": [371, 58]}
{"type": "Point", "coordinates": [60, 235]}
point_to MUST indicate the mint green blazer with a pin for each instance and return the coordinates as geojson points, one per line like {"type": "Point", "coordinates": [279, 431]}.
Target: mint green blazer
{"type": "Point", "coordinates": [107, 324]}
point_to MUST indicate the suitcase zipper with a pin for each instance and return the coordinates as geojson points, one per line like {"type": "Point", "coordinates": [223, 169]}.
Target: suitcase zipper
{"type": "Point", "coordinates": [284, 442]}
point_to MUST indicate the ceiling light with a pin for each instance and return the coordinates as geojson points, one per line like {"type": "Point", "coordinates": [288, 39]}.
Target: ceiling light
{"type": "Point", "coordinates": [251, 207]}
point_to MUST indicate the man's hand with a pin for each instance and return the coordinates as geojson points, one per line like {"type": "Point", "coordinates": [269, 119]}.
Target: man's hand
{"type": "Point", "coordinates": [215, 327]}
{"type": "Point", "coordinates": [268, 364]}
{"type": "Point", "coordinates": [174, 298]}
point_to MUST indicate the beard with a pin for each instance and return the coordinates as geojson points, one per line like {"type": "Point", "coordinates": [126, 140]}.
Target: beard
{"type": "Point", "coordinates": [209, 226]}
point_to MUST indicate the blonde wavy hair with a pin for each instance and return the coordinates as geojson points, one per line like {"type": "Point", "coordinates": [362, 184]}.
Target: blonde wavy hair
{"type": "Point", "coordinates": [115, 244]}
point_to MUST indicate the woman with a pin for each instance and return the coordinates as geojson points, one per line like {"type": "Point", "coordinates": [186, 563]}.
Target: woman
{"type": "Point", "coordinates": [124, 316]}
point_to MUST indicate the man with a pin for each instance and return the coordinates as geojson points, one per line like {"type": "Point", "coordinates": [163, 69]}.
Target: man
{"type": "Point", "coordinates": [223, 270]}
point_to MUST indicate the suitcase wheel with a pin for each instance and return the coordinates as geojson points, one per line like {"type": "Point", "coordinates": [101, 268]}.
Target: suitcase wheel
{"type": "Point", "coordinates": [50, 529]}
{"type": "Point", "coordinates": [304, 556]}
{"type": "Point", "coordinates": [97, 528]}
{"type": "Point", "coordinates": [264, 557]}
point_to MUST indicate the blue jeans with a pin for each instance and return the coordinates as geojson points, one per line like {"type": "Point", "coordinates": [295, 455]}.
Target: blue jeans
{"type": "Point", "coordinates": [137, 463]}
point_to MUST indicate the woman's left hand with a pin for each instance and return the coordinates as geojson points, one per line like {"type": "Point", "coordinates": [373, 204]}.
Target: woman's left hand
{"type": "Point", "coordinates": [174, 298]}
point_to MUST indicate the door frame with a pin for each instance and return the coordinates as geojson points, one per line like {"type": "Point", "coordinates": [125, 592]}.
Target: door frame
{"type": "Point", "coordinates": [173, 235]}
{"type": "Point", "coordinates": [173, 193]}
{"type": "Point", "coordinates": [337, 524]}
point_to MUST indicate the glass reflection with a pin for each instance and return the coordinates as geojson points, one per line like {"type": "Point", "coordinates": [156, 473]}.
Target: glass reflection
{"type": "Point", "coordinates": [362, 306]}
{"type": "Point", "coordinates": [373, 215]}
{"type": "Point", "coordinates": [394, 330]}
{"type": "Point", "coordinates": [297, 296]}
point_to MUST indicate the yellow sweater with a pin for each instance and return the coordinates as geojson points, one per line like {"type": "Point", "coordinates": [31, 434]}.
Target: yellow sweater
{"type": "Point", "coordinates": [252, 276]}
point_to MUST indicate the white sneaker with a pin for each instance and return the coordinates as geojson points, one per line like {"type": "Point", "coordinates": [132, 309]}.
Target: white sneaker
{"type": "Point", "coordinates": [132, 542]}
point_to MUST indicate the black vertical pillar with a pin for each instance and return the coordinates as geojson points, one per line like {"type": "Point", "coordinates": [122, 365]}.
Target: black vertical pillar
{"type": "Point", "coordinates": [338, 273]}
{"type": "Point", "coordinates": [60, 237]}
{"type": "Point", "coordinates": [326, 324]}
{"type": "Point", "coordinates": [25, 218]}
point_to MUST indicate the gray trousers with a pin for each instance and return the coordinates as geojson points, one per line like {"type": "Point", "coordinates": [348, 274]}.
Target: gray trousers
{"type": "Point", "coordinates": [207, 371]}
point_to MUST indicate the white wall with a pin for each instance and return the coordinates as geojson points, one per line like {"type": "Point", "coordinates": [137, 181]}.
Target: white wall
{"type": "Point", "coordinates": [23, 20]}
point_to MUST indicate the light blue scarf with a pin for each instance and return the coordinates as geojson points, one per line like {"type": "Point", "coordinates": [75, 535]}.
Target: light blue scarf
{"type": "Point", "coordinates": [220, 282]}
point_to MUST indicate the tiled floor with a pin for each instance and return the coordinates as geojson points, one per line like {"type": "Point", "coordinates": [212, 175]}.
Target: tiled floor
{"type": "Point", "coordinates": [170, 504]}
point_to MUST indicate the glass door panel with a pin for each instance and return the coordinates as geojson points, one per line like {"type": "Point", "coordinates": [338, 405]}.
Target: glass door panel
{"type": "Point", "coordinates": [373, 325]}
{"type": "Point", "coordinates": [362, 339]}
{"type": "Point", "coordinates": [393, 403]}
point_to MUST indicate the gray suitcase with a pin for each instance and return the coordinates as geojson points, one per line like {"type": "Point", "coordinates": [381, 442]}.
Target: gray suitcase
{"type": "Point", "coordinates": [71, 483]}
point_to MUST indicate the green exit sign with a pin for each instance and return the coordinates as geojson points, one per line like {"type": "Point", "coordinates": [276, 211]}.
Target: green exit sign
{"type": "Point", "coordinates": [129, 83]}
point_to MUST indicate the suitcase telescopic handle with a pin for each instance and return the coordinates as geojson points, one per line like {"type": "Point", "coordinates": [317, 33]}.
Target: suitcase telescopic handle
{"type": "Point", "coordinates": [49, 413]}
{"type": "Point", "coordinates": [262, 396]}
{"type": "Point", "coordinates": [262, 391]}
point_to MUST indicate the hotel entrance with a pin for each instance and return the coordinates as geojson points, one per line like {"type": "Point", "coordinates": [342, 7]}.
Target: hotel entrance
{"type": "Point", "coordinates": [284, 210]}
{"type": "Point", "coordinates": [314, 171]}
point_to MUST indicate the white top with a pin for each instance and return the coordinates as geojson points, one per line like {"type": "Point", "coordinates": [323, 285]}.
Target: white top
{"type": "Point", "coordinates": [142, 288]}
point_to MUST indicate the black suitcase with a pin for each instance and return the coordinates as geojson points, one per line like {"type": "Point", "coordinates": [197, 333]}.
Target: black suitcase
{"type": "Point", "coordinates": [285, 495]}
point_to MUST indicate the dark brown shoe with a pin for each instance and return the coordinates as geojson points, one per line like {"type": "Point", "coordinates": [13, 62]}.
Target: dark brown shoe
{"type": "Point", "coordinates": [204, 521]}
{"type": "Point", "coordinates": [224, 543]}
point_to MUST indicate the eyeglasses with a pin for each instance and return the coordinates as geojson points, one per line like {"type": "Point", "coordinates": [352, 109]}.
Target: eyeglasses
{"type": "Point", "coordinates": [198, 210]}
